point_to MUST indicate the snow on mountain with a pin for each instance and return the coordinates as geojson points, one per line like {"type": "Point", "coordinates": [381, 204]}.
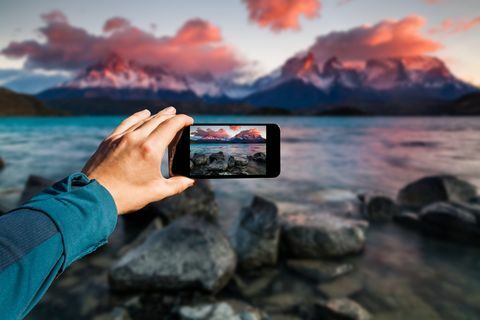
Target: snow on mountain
{"type": "Point", "coordinates": [118, 73]}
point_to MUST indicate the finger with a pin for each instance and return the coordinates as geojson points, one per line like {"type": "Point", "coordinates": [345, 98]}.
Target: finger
{"type": "Point", "coordinates": [164, 112]}
{"type": "Point", "coordinates": [150, 124]}
{"type": "Point", "coordinates": [130, 121]}
{"type": "Point", "coordinates": [176, 185]}
{"type": "Point", "coordinates": [166, 132]}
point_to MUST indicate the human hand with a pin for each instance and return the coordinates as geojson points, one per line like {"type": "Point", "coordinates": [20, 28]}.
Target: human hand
{"type": "Point", "coordinates": [128, 162]}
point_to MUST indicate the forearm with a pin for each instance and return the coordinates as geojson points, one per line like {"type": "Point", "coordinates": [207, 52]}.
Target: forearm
{"type": "Point", "coordinates": [48, 233]}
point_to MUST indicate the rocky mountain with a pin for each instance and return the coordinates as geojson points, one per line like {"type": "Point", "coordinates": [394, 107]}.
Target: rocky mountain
{"type": "Point", "coordinates": [16, 104]}
{"type": "Point", "coordinates": [303, 83]}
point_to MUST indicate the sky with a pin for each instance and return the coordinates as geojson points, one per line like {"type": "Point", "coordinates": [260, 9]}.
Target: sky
{"type": "Point", "coordinates": [245, 38]}
{"type": "Point", "coordinates": [225, 132]}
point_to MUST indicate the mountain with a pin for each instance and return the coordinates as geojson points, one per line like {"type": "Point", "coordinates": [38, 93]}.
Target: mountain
{"type": "Point", "coordinates": [245, 136]}
{"type": "Point", "coordinates": [118, 78]}
{"type": "Point", "coordinates": [413, 84]}
{"type": "Point", "coordinates": [16, 104]}
{"type": "Point", "coordinates": [466, 105]}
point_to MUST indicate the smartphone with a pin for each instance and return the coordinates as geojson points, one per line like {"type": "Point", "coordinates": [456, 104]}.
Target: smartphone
{"type": "Point", "coordinates": [227, 150]}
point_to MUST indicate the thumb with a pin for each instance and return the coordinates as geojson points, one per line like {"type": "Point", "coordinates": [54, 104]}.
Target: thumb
{"type": "Point", "coordinates": [178, 184]}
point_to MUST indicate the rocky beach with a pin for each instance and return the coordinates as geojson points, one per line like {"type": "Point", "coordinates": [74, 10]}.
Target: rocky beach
{"type": "Point", "coordinates": [219, 163]}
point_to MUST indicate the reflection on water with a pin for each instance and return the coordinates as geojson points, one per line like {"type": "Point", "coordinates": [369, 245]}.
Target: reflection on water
{"type": "Point", "coordinates": [405, 275]}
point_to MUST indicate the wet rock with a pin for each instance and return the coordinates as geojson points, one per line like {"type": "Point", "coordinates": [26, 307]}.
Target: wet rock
{"type": "Point", "coordinates": [453, 218]}
{"type": "Point", "coordinates": [341, 309]}
{"type": "Point", "coordinates": [191, 164]}
{"type": "Point", "coordinates": [407, 218]}
{"type": "Point", "coordinates": [257, 234]}
{"type": "Point", "coordinates": [118, 313]}
{"type": "Point", "coordinates": [315, 236]}
{"type": "Point", "coordinates": [378, 208]}
{"type": "Point", "coordinates": [241, 161]}
{"type": "Point", "coordinates": [189, 254]}
{"type": "Point", "coordinates": [345, 286]}
{"type": "Point", "coordinates": [199, 159]}
{"type": "Point", "coordinates": [34, 185]}
{"type": "Point", "coordinates": [260, 156]}
{"type": "Point", "coordinates": [231, 162]}
{"type": "Point", "coordinates": [317, 270]}
{"type": "Point", "coordinates": [217, 162]}
{"type": "Point", "coordinates": [433, 189]}
{"type": "Point", "coordinates": [254, 286]}
{"type": "Point", "coordinates": [197, 200]}
{"type": "Point", "coordinates": [228, 310]}
{"type": "Point", "coordinates": [155, 225]}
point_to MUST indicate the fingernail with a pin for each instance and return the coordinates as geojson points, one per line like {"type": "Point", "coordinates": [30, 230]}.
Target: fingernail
{"type": "Point", "coordinates": [169, 110]}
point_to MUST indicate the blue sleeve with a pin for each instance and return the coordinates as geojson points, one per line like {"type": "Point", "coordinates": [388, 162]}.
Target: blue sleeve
{"type": "Point", "coordinates": [47, 234]}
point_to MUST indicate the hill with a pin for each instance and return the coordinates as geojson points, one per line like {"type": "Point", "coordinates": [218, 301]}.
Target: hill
{"type": "Point", "coordinates": [16, 104]}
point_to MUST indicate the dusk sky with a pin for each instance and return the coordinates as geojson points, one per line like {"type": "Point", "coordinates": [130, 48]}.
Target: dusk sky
{"type": "Point", "coordinates": [224, 37]}
{"type": "Point", "coordinates": [225, 132]}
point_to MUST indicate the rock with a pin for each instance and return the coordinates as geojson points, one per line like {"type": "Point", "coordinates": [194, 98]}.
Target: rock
{"type": "Point", "coordinates": [231, 162]}
{"type": "Point", "coordinates": [199, 159]}
{"type": "Point", "coordinates": [217, 156]}
{"type": "Point", "coordinates": [2, 164]}
{"type": "Point", "coordinates": [407, 218]}
{"type": "Point", "coordinates": [342, 309]}
{"type": "Point", "coordinates": [317, 270]}
{"type": "Point", "coordinates": [253, 287]}
{"type": "Point", "coordinates": [217, 162]}
{"type": "Point", "coordinates": [189, 254]}
{"type": "Point", "coordinates": [345, 286]}
{"type": "Point", "coordinates": [118, 313]}
{"type": "Point", "coordinates": [34, 185]}
{"type": "Point", "coordinates": [428, 190]}
{"type": "Point", "coordinates": [453, 218]}
{"type": "Point", "coordinates": [378, 208]}
{"type": "Point", "coordinates": [197, 200]}
{"type": "Point", "coordinates": [257, 234]}
{"type": "Point", "coordinates": [155, 225]}
{"type": "Point", "coordinates": [228, 310]}
{"type": "Point", "coordinates": [260, 156]}
{"type": "Point", "coordinates": [191, 164]}
{"type": "Point", "coordinates": [241, 161]}
{"type": "Point", "coordinates": [315, 236]}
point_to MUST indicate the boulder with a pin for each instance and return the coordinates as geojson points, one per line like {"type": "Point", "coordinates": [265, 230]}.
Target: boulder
{"type": "Point", "coordinates": [241, 161]}
{"type": "Point", "coordinates": [197, 200]}
{"type": "Point", "coordinates": [217, 162]}
{"type": "Point", "coordinates": [34, 185]}
{"type": "Point", "coordinates": [407, 218]}
{"type": "Point", "coordinates": [118, 313]}
{"type": "Point", "coordinates": [217, 156]}
{"type": "Point", "coordinates": [199, 159]}
{"type": "Point", "coordinates": [227, 310]}
{"type": "Point", "coordinates": [452, 218]}
{"type": "Point", "coordinates": [318, 270]}
{"type": "Point", "coordinates": [341, 309]}
{"type": "Point", "coordinates": [310, 236]}
{"type": "Point", "coordinates": [231, 162]}
{"type": "Point", "coordinates": [189, 254]}
{"type": "Point", "coordinates": [257, 234]}
{"type": "Point", "coordinates": [377, 208]}
{"type": "Point", "coordinates": [260, 156]}
{"type": "Point", "coordinates": [428, 190]}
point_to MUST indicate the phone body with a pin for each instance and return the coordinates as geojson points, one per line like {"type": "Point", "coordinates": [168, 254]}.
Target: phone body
{"type": "Point", "coordinates": [226, 150]}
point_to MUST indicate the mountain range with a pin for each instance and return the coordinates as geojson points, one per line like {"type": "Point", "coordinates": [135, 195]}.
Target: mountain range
{"type": "Point", "coordinates": [245, 136]}
{"type": "Point", "coordinates": [414, 85]}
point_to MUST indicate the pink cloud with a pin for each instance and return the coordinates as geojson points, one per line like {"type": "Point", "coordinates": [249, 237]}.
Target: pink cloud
{"type": "Point", "coordinates": [280, 15]}
{"type": "Point", "coordinates": [456, 26]}
{"type": "Point", "coordinates": [197, 47]}
{"type": "Point", "coordinates": [235, 128]}
{"type": "Point", "coordinates": [210, 133]}
{"type": "Point", "coordinates": [388, 38]}
{"type": "Point", "coordinates": [253, 133]}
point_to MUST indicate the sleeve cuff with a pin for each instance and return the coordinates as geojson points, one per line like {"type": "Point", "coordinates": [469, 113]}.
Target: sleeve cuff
{"type": "Point", "coordinates": [84, 213]}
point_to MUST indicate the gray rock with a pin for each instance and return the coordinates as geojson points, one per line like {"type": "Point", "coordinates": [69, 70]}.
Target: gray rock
{"type": "Point", "coordinates": [377, 208]}
{"type": "Point", "coordinates": [241, 161]}
{"type": "Point", "coordinates": [317, 270]}
{"type": "Point", "coordinates": [118, 313]}
{"type": "Point", "coordinates": [342, 309]}
{"type": "Point", "coordinates": [34, 185]}
{"type": "Point", "coordinates": [257, 234]}
{"type": "Point", "coordinates": [228, 310]}
{"type": "Point", "coordinates": [309, 236]}
{"type": "Point", "coordinates": [408, 219]}
{"type": "Point", "coordinates": [217, 165]}
{"type": "Point", "coordinates": [217, 156]}
{"type": "Point", "coordinates": [256, 286]}
{"type": "Point", "coordinates": [197, 200]}
{"type": "Point", "coordinates": [155, 225]}
{"type": "Point", "coordinates": [188, 254]}
{"type": "Point", "coordinates": [260, 156]}
{"type": "Point", "coordinates": [428, 190]}
{"type": "Point", "coordinates": [199, 159]}
{"type": "Point", "coordinates": [231, 162]}
{"type": "Point", "coordinates": [346, 286]}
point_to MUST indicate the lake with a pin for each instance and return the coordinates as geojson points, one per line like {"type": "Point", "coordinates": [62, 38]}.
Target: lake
{"type": "Point", "coordinates": [322, 159]}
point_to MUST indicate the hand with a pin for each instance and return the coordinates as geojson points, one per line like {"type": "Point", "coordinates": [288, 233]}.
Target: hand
{"type": "Point", "coordinates": [128, 162]}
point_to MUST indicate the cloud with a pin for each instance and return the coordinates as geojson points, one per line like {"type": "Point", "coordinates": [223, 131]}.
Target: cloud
{"type": "Point", "coordinates": [210, 133]}
{"type": "Point", "coordinates": [27, 81]}
{"type": "Point", "coordinates": [432, 2]}
{"type": "Point", "coordinates": [196, 48]}
{"type": "Point", "coordinates": [388, 38]}
{"type": "Point", "coordinates": [456, 26]}
{"type": "Point", "coordinates": [235, 128]}
{"type": "Point", "coordinates": [280, 15]}
{"type": "Point", "coordinates": [253, 133]}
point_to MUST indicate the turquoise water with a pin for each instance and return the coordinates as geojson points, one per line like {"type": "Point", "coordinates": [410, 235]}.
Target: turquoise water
{"type": "Point", "coordinates": [407, 276]}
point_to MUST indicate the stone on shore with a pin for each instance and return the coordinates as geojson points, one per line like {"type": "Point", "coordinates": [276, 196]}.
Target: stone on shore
{"type": "Point", "coordinates": [217, 162]}
{"type": "Point", "coordinates": [433, 189]}
{"type": "Point", "coordinates": [257, 235]}
{"type": "Point", "coordinates": [260, 156]}
{"type": "Point", "coordinates": [318, 270]}
{"type": "Point", "coordinates": [311, 236]}
{"type": "Point", "coordinates": [377, 208]}
{"type": "Point", "coordinates": [34, 185]}
{"type": "Point", "coordinates": [341, 309]}
{"type": "Point", "coordinates": [227, 310]}
{"type": "Point", "coordinates": [199, 159]}
{"type": "Point", "coordinates": [189, 254]}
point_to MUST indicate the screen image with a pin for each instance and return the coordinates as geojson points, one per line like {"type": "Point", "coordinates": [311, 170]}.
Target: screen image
{"type": "Point", "coordinates": [228, 150]}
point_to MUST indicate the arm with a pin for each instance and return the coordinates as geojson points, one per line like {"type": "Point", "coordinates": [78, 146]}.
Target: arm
{"type": "Point", "coordinates": [76, 215]}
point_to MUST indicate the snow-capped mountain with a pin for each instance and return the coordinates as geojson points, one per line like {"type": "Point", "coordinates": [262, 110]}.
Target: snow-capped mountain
{"type": "Point", "coordinates": [116, 72]}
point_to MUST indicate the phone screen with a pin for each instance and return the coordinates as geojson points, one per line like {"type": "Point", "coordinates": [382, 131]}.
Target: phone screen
{"type": "Point", "coordinates": [228, 150]}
